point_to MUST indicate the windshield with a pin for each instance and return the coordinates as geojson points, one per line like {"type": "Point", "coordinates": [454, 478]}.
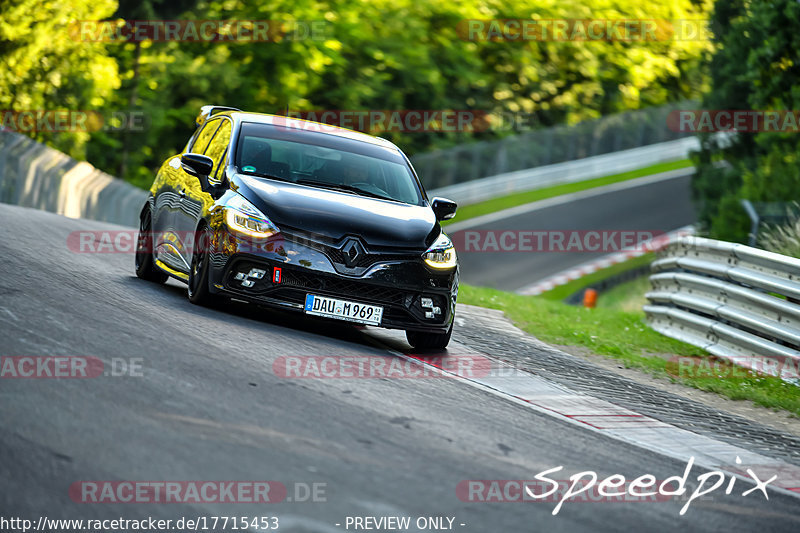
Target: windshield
{"type": "Point", "coordinates": [325, 161]}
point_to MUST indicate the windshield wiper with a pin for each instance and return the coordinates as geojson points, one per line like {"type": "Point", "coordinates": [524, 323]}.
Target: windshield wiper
{"type": "Point", "coordinates": [345, 188]}
{"type": "Point", "coordinates": [263, 175]}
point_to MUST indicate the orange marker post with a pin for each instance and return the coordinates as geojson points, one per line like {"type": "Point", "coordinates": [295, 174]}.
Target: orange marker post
{"type": "Point", "coordinates": [589, 298]}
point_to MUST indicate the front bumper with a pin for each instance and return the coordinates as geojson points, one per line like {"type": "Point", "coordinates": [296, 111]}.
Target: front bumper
{"type": "Point", "coordinates": [295, 267]}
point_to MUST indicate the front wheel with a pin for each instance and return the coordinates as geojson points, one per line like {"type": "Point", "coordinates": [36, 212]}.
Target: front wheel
{"type": "Point", "coordinates": [198, 274]}
{"type": "Point", "coordinates": [145, 266]}
{"type": "Point", "coordinates": [422, 340]}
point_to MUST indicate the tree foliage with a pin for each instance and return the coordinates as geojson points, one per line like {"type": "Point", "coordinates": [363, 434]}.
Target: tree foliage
{"type": "Point", "coordinates": [755, 65]}
{"type": "Point", "coordinates": [43, 66]}
{"type": "Point", "coordinates": [370, 54]}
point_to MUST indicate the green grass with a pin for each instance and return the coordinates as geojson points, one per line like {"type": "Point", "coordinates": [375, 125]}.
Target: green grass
{"type": "Point", "coordinates": [623, 335]}
{"type": "Point", "coordinates": [563, 291]}
{"type": "Point", "coordinates": [513, 200]}
{"type": "Point", "coordinates": [628, 296]}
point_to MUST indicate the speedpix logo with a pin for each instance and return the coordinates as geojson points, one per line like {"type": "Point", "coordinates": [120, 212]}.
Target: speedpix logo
{"type": "Point", "coordinates": [589, 487]}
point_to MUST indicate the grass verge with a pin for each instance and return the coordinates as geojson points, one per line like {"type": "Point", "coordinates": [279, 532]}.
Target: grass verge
{"type": "Point", "coordinates": [624, 336]}
{"type": "Point", "coordinates": [628, 296]}
{"type": "Point", "coordinates": [513, 200]}
{"type": "Point", "coordinates": [563, 291]}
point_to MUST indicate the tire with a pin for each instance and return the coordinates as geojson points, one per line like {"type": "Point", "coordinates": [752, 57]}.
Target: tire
{"type": "Point", "coordinates": [144, 263]}
{"type": "Point", "coordinates": [422, 340]}
{"type": "Point", "coordinates": [198, 273]}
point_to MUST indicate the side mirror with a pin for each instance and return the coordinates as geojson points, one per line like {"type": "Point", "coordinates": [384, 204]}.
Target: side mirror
{"type": "Point", "coordinates": [200, 166]}
{"type": "Point", "coordinates": [443, 208]}
{"type": "Point", "coordinates": [197, 165]}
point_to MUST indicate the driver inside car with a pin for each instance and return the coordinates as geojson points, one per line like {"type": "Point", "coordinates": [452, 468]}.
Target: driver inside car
{"type": "Point", "coordinates": [259, 156]}
{"type": "Point", "coordinates": [354, 172]}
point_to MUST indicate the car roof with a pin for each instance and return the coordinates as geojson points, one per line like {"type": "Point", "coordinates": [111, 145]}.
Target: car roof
{"type": "Point", "coordinates": [306, 125]}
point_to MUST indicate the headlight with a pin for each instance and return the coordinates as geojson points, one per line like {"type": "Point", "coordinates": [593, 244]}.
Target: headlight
{"type": "Point", "coordinates": [441, 254]}
{"type": "Point", "coordinates": [243, 217]}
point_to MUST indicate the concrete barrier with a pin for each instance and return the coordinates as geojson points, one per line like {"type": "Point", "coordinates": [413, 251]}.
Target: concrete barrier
{"type": "Point", "coordinates": [37, 176]}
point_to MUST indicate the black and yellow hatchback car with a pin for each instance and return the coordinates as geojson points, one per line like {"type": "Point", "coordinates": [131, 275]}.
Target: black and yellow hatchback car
{"type": "Point", "coordinates": [305, 217]}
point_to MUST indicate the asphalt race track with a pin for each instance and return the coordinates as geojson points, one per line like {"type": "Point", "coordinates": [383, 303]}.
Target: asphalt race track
{"type": "Point", "coordinates": [661, 207]}
{"type": "Point", "coordinates": [207, 405]}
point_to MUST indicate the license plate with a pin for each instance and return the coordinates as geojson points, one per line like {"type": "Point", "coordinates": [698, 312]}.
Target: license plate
{"type": "Point", "coordinates": [343, 310]}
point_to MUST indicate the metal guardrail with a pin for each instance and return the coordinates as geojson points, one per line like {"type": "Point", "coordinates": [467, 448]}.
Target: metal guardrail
{"type": "Point", "coordinates": [549, 146]}
{"type": "Point", "coordinates": [736, 302]}
{"type": "Point", "coordinates": [588, 168]}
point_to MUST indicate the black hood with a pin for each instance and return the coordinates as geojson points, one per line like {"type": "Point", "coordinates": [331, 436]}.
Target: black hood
{"type": "Point", "coordinates": [334, 214]}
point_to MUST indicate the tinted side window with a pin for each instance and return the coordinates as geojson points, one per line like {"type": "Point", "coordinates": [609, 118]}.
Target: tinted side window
{"type": "Point", "coordinates": [218, 145]}
{"type": "Point", "coordinates": [201, 141]}
{"type": "Point", "coordinates": [218, 173]}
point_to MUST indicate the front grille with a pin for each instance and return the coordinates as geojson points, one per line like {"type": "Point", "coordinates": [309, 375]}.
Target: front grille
{"type": "Point", "coordinates": [344, 288]}
{"type": "Point", "coordinates": [369, 259]}
{"type": "Point", "coordinates": [334, 253]}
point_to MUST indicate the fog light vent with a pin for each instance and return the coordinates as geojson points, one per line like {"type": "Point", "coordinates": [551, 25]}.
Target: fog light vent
{"type": "Point", "coordinates": [256, 273]}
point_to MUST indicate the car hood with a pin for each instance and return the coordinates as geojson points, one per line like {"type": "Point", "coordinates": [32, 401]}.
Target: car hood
{"type": "Point", "coordinates": [335, 214]}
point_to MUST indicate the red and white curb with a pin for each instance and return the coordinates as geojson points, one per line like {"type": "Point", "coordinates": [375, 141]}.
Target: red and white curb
{"type": "Point", "coordinates": [600, 416]}
{"type": "Point", "coordinates": [564, 277]}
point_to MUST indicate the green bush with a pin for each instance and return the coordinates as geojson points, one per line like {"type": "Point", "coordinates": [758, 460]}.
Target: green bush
{"type": "Point", "coordinates": [755, 66]}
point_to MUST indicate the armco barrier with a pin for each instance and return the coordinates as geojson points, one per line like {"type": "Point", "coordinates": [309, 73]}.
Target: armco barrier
{"type": "Point", "coordinates": [34, 175]}
{"type": "Point", "coordinates": [549, 146]}
{"type": "Point", "coordinates": [736, 302]}
{"type": "Point", "coordinates": [587, 168]}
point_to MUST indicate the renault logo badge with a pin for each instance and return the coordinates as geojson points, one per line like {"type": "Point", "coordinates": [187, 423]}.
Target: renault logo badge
{"type": "Point", "coordinates": [352, 250]}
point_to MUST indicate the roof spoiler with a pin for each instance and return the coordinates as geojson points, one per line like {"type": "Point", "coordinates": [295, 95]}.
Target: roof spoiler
{"type": "Point", "coordinates": [208, 110]}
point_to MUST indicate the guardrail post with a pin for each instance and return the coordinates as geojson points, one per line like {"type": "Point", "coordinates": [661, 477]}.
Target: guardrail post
{"type": "Point", "coordinates": [755, 221]}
